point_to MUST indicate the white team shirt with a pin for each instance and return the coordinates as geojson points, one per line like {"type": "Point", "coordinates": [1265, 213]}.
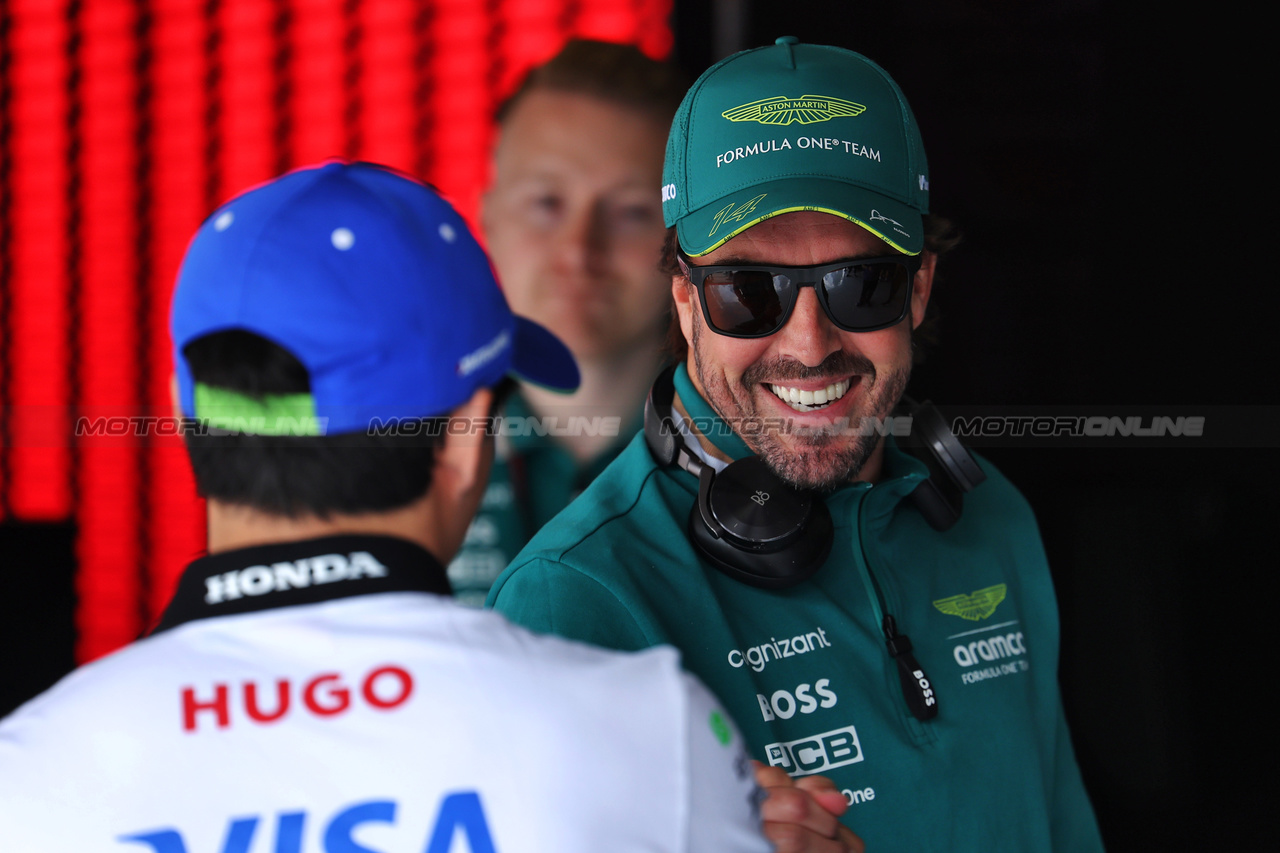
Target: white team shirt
{"type": "Point", "coordinates": [344, 709]}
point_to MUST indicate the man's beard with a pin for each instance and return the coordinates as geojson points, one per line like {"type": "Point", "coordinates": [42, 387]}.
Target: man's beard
{"type": "Point", "coordinates": [819, 458]}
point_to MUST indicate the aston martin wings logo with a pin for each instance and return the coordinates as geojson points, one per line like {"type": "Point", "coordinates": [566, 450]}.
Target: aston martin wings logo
{"type": "Point", "coordinates": [807, 109]}
{"type": "Point", "coordinates": [976, 605]}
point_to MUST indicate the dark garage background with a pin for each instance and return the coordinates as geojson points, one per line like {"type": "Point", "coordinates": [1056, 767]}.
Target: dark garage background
{"type": "Point", "coordinates": [1106, 164]}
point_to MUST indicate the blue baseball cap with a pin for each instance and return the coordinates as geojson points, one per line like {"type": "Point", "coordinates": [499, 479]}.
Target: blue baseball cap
{"type": "Point", "coordinates": [374, 283]}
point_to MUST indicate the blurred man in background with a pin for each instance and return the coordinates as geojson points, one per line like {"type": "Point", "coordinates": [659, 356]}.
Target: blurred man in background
{"type": "Point", "coordinates": [573, 222]}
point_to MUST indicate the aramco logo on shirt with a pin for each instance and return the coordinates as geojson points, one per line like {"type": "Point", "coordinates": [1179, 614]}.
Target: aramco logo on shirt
{"type": "Point", "coordinates": [458, 812]}
{"type": "Point", "coordinates": [978, 604]}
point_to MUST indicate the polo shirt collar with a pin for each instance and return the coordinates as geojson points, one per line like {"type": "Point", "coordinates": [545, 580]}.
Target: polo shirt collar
{"type": "Point", "coordinates": [704, 419]}
{"type": "Point", "coordinates": [285, 574]}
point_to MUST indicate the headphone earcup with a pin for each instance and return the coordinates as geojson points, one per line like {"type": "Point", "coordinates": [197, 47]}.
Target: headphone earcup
{"type": "Point", "coordinates": [952, 469]}
{"type": "Point", "coordinates": [756, 528]}
{"type": "Point", "coordinates": [659, 431]}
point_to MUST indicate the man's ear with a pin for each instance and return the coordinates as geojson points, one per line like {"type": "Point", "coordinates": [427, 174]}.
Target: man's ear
{"type": "Point", "coordinates": [486, 209]}
{"type": "Point", "coordinates": [685, 297]}
{"type": "Point", "coordinates": [488, 198]}
{"type": "Point", "coordinates": [459, 474]}
{"type": "Point", "coordinates": [175, 397]}
{"type": "Point", "coordinates": [464, 456]}
{"type": "Point", "coordinates": [922, 287]}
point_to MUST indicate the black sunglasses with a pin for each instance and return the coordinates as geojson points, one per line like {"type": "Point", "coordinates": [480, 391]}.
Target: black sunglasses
{"type": "Point", "coordinates": [860, 295]}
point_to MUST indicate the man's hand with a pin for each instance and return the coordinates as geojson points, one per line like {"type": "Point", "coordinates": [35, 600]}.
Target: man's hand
{"type": "Point", "coordinates": [800, 815]}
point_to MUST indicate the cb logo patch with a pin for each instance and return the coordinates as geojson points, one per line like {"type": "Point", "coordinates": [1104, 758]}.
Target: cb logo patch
{"type": "Point", "coordinates": [816, 753]}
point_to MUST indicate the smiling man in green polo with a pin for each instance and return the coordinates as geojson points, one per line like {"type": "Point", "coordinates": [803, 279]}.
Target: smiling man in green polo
{"type": "Point", "coordinates": [861, 622]}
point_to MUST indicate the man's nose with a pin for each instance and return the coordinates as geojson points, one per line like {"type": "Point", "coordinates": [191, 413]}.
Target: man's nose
{"type": "Point", "coordinates": [809, 335]}
{"type": "Point", "coordinates": [580, 241]}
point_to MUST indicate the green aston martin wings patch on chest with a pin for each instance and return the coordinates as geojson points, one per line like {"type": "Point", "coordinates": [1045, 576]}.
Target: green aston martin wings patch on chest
{"type": "Point", "coordinates": [978, 604]}
{"type": "Point", "coordinates": [807, 109]}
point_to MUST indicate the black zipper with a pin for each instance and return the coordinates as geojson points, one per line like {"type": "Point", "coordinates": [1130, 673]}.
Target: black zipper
{"type": "Point", "coordinates": [917, 689]}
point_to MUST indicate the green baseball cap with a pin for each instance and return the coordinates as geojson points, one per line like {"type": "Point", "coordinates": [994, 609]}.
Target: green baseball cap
{"type": "Point", "coordinates": [794, 127]}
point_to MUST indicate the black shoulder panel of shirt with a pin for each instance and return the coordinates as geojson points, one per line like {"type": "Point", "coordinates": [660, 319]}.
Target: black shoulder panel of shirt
{"type": "Point", "coordinates": [285, 574]}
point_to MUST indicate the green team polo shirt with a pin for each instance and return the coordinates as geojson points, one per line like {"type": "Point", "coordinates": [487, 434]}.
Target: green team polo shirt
{"type": "Point", "coordinates": [532, 479]}
{"type": "Point", "coordinates": [805, 671]}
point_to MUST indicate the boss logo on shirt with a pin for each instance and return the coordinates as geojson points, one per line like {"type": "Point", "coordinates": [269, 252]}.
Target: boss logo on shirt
{"type": "Point", "coordinates": [260, 580]}
{"type": "Point", "coordinates": [816, 753]}
{"type": "Point", "coordinates": [459, 812]}
{"type": "Point", "coordinates": [783, 704]}
{"type": "Point", "coordinates": [323, 695]}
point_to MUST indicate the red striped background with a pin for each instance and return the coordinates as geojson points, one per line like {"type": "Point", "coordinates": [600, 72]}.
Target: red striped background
{"type": "Point", "coordinates": [122, 124]}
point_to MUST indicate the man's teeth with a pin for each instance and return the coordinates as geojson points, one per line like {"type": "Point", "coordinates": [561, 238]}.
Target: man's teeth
{"type": "Point", "coordinates": [807, 401]}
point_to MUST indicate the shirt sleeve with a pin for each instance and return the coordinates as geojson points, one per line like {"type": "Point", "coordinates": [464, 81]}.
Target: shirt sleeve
{"type": "Point", "coordinates": [553, 598]}
{"type": "Point", "coordinates": [723, 798]}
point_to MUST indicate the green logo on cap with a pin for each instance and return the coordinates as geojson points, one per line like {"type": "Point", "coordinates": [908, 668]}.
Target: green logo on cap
{"type": "Point", "coordinates": [976, 605]}
{"type": "Point", "coordinates": [735, 213]}
{"type": "Point", "coordinates": [807, 109]}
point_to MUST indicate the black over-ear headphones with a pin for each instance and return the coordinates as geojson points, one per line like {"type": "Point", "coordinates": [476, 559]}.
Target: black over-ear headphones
{"type": "Point", "coordinates": [757, 529]}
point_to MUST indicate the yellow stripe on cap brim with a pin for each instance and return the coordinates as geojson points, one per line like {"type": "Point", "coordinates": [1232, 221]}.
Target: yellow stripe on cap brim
{"type": "Point", "coordinates": [885, 237]}
{"type": "Point", "coordinates": [894, 220]}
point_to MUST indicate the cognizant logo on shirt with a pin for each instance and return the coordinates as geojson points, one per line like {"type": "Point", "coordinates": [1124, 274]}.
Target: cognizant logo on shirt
{"type": "Point", "coordinates": [757, 657]}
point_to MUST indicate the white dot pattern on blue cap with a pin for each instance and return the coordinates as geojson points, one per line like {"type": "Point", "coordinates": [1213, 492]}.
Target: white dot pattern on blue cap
{"type": "Point", "coordinates": [342, 239]}
{"type": "Point", "coordinates": [366, 358]}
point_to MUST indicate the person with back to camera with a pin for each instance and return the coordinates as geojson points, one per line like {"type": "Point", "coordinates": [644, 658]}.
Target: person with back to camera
{"type": "Point", "coordinates": [575, 230]}
{"type": "Point", "coordinates": [872, 603]}
{"type": "Point", "coordinates": [338, 340]}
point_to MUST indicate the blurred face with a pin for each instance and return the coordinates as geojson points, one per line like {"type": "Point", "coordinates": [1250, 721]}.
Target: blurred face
{"type": "Point", "coordinates": [816, 378]}
{"type": "Point", "coordinates": [573, 221]}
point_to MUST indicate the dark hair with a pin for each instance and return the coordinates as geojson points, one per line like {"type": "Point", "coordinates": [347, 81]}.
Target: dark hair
{"type": "Point", "coordinates": [940, 237]}
{"type": "Point", "coordinates": [298, 475]}
{"type": "Point", "coordinates": [617, 73]}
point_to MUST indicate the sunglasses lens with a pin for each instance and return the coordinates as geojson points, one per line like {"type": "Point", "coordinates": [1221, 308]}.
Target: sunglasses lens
{"type": "Point", "coordinates": [868, 296]}
{"type": "Point", "coordinates": [747, 302]}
